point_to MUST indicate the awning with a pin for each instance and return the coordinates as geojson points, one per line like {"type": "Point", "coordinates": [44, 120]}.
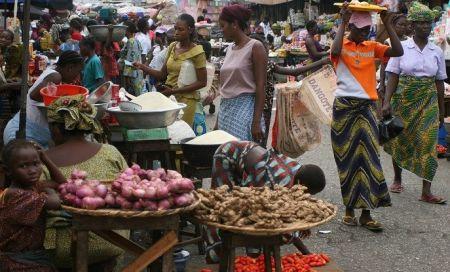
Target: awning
{"type": "Point", "coordinates": [269, 2]}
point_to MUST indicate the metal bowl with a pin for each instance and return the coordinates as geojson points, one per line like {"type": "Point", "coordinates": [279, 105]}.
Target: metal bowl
{"type": "Point", "coordinates": [100, 32]}
{"type": "Point", "coordinates": [101, 110]}
{"type": "Point", "coordinates": [102, 94]}
{"type": "Point", "coordinates": [129, 106]}
{"type": "Point", "coordinates": [146, 119]}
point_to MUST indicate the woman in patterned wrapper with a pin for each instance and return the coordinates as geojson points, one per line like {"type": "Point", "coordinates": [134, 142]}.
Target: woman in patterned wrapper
{"type": "Point", "coordinates": [70, 119]}
{"type": "Point", "coordinates": [415, 94]}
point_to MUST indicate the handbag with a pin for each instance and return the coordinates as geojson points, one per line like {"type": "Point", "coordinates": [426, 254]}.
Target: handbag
{"type": "Point", "coordinates": [389, 128]}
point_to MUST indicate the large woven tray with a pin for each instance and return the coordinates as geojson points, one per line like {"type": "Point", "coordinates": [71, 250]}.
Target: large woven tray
{"type": "Point", "coordinates": [130, 214]}
{"type": "Point", "coordinates": [293, 227]}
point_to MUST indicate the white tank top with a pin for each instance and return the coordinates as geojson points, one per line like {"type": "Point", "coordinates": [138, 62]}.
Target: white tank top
{"type": "Point", "coordinates": [34, 114]}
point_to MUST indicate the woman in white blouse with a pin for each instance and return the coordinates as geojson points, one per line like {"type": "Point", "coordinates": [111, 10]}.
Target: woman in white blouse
{"type": "Point", "coordinates": [415, 93]}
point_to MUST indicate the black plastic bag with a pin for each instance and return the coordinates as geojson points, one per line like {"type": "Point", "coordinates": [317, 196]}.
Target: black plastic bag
{"type": "Point", "coordinates": [389, 128]}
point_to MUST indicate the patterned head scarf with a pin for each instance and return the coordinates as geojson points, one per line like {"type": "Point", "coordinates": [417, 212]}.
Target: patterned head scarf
{"type": "Point", "coordinates": [420, 13]}
{"type": "Point", "coordinates": [75, 113]}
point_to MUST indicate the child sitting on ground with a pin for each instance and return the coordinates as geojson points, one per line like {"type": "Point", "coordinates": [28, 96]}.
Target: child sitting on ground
{"type": "Point", "coordinates": [23, 207]}
{"type": "Point", "coordinates": [242, 163]}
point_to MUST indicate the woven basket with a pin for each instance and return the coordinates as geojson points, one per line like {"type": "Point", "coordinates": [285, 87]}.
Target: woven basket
{"type": "Point", "coordinates": [293, 227]}
{"type": "Point", "coordinates": [131, 214]}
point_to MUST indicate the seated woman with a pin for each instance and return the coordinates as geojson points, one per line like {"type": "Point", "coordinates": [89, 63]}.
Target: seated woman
{"type": "Point", "coordinates": [70, 119]}
{"type": "Point", "coordinates": [67, 70]}
{"type": "Point", "coordinates": [242, 163]}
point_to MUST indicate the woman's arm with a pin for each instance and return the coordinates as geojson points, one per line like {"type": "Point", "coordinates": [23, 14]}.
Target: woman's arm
{"type": "Point", "coordinates": [301, 70]}
{"type": "Point", "coordinates": [441, 93]}
{"type": "Point", "coordinates": [390, 89]}
{"type": "Point", "coordinates": [382, 88]}
{"type": "Point", "coordinates": [336, 48]}
{"type": "Point", "coordinates": [200, 83]}
{"type": "Point", "coordinates": [259, 59]}
{"type": "Point", "coordinates": [396, 49]}
{"type": "Point", "coordinates": [53, 77]}
{"type": "Point", "coordinates": [159, 75]}
{"type": "Point", "coordinates": [55, 173]}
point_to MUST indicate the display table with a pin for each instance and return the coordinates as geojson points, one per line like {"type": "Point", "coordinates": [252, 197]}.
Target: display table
{"type": "Point", "coordinates": [103, 226]}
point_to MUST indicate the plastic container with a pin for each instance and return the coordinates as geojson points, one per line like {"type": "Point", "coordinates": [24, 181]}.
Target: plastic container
{"type": "Point", "coordinates": [62, 90]}
{"type": "Point", "coordinates": [180, 260]}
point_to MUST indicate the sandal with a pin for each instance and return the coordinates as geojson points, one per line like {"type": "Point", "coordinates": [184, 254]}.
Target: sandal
{"type": "Point", "coordinates": [432, 199]}
{"type": "Point", "coordinates": [372, 225]}
{"type": "Point", "coordinates": [396, 188]}
{"type": "Point", "coordinates": [349, 221]}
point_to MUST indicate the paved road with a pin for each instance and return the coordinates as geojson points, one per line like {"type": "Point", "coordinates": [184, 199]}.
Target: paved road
{"type": "Point", "coordinates": [416, 236]}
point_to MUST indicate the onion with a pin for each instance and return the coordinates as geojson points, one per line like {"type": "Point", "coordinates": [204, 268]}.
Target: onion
{"type": "Point", "coordinates": [99, 201]}
{"type": "Point", "coordinates": [186, 185]}
{"type": "Point", "coordinates": [62, 186]}
{"type": "Point", "coordinates": [161, 173]}
{"type": "Point", "coordinates": [135, 167]}
{"type": "Point", "coordinates": [85, 191]}
{"type": "Point", "coordinates": [126, 205]}
{"type": "Point", "coordinates": [171, 174]}
{"type": "Point", "coordinates": [110, 200]}
{"type": "Point", "coordinates": [149, 205]}
{"type": "Point", "coordinates": [129, 172]}
{"type": "Point", "coordinates": [163, 205]}
{"type": "Point", "coordinates": [93, 183]}
{"type": "Point", "coordinates": [162, 192]}
{"type": "Point", "coordinates": [71, 188]}
{"type": "Point", "coordinates": [101, 190]}
{"type": "Point", "coordinates": [116, 186]}
{"type": "Point", "coordinates": [183, 200]}
{"type": "Point", "coordinates": [89, 203]}
{"type": "Point", "coordinates": [123, 175]}
{"type": "Point", "coordinates": [78, 202]}
{"type": "Point", "coordinates": [139, 193]}
{"type": "Point", "coordinates": [127, 191]}
{"type": "Point", "coordinates": [137, 206]}
{"type": "Point", "coordinates": [150, 192]}
{"type": "Point", "coordinates": [69, 199]}
{"type": "Point", "coordinates": [78, 182]}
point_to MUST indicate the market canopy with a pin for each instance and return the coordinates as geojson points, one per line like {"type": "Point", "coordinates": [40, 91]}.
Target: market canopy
{"type": "Point", "coordinates": [269, 2]}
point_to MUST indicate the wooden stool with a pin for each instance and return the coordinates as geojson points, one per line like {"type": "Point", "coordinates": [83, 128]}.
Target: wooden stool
{"type": "Point", "coordinates": [270, 244]}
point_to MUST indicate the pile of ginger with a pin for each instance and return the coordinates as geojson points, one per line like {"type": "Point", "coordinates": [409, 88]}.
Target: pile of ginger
{"type": "Point", "coordinates": [261, 207]}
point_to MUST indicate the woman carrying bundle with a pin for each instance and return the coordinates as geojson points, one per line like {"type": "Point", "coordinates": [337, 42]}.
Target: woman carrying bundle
{"type": "Point", "coordinates": [354, 131]}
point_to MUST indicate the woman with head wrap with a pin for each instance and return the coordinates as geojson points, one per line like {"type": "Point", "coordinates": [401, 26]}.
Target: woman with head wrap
{"type": "Point", "coordinates": [67, 70]}
{"type": "Point", "coordinates": [70, 119]}
{"type": "Point", "coordinates": [242, 78]}
{"type": "Point", "coordinates": [415, 94]}
{"type": "Point", "coordinates": [354, 131]}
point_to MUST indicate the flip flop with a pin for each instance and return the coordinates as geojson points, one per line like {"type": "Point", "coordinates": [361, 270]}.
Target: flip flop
{"type": "Point", "coordinates": [396, 188]}
{"type": "Point", "coordinates": [349, 221]}
{"type": "Point", "coordinates": [372, 225]}
{"type": "Point", "coordinates": [433, 199]}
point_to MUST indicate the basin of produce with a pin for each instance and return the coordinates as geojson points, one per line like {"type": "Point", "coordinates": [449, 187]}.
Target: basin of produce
{"type": "Point", "coordinates": [56, 91]}
{"type": "Point", "coordinates": [199, 151]}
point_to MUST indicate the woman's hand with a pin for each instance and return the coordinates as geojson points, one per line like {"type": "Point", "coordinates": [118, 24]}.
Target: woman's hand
{"type": "Point", "coordinates": [257, 133]}
{"type": "Point", "coordinates": [346, 13]}
{"type": "Point", "coordinates": [138, 65]}
{"type": "Point", "coordinates": [167, 91]}
{"type": "Point", "coordinates": [386, 110]}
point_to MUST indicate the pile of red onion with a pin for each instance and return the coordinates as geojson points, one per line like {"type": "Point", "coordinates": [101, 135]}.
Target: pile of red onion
{"type": "Point", "coordinates": [135, 189]}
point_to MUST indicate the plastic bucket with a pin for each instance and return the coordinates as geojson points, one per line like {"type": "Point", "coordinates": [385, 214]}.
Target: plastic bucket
{"type": "Point", "coordinates": [62, 90]}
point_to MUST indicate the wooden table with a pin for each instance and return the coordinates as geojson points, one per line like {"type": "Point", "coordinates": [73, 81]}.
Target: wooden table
{"type": "Point", "coordinates": [103, 226]}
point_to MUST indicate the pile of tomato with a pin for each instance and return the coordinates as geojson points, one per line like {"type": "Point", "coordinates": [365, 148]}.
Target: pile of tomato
{"type": "Point", "coordinates": [295, 262]}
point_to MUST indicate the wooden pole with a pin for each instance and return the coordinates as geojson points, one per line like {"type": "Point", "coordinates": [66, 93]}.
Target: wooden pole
{"type": "Point", "coordinates": [21, 133]}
